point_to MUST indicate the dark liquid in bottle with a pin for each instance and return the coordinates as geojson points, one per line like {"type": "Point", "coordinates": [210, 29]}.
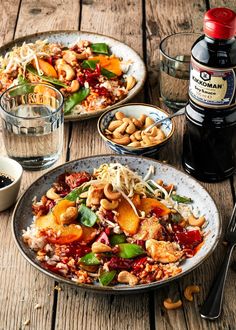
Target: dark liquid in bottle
{"type": "Point", "coordinates": [5, 180]}
{"type": "Point", "coordinates": [209, 145]}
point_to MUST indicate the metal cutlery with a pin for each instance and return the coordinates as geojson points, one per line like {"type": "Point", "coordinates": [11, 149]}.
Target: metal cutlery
{"type": "Point", "coordinates": [212, 307]}
{"type": "Point", "coordinates": [178, 113]}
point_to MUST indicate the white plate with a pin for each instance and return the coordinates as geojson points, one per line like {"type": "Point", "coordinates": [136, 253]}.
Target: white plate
{"type": "Point", "coordinates": [137, 69]}
{"type": "Point", "coordinates": [22, 216]}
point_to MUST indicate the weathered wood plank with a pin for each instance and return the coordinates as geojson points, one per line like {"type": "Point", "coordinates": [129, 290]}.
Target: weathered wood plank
{"type": "Point", "coordinates": [8, 18]}
{"type": "Point", "coordinates": [95, 311]}
{"type": "Point", "coordinates": [22, 287]}
{"type": "Point", "coordinates": [158, 26]}
{"type": "Point", "coordinates": [162, 19]}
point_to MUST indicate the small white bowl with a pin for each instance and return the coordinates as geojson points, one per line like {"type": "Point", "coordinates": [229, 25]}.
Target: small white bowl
{"type": "Point", "coordinates": [9, 193]}
{"type": "Point", "coordinates": [135, 110]}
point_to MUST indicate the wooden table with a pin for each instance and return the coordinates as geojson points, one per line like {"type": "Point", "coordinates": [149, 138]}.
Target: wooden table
{"type": "Point", "coordinates": [140, 24]}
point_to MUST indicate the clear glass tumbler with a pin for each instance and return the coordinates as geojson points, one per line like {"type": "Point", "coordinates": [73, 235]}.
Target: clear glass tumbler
{"type": "Point", "coordinates": [32, 124]}
{"type": "Point", "coordinates": [175, 54]}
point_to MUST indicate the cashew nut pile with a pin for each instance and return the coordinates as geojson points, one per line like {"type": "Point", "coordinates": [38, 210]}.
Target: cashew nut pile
{"type": "Point", "coordinates": [129, 131]}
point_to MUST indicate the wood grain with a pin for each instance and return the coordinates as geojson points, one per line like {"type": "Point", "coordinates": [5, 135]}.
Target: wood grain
{"type": "Point", "coordinates": [95, 311]}
{"type": "Point", "coordinates": [22, 287]}
{"type": "Point", "coordinates": [8, 18]}
{"type": "Point", "coordinates": [193, 15]}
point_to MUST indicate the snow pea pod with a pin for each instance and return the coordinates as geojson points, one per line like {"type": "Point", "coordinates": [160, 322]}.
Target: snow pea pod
{"type": "Point", "coordinates": [51, 80]}
{"type": "Point", "coordinates": [106, 277]}
{"type": "Point", "coordinates": [86, 216]}
{"type": "Point", "coordinates": [181, 199]}
{"type": "Point", "coordinates": [25, 87]}
{"type": "Point", "coordinates": [117, 239]}
{"type": "Point", "coordinates": [128, 250]}
{"type": "Point", "coordinates": [89, 259]}
{"type": "Point", "coordinates": [75, 193]}
{"type": "Point", "coordinates": [75, 99]}
{"type": "Point", "coordinates": [100, 48]}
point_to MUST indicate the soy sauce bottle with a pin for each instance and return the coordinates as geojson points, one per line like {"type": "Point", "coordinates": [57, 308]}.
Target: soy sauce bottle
{"type": "Point", "coordinates": [209, 144]}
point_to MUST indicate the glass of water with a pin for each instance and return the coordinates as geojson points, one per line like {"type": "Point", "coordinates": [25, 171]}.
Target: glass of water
{"type": "Point", "coordinates": [32, 124]}
{"type": "Point", "coordinates": [175, 54]}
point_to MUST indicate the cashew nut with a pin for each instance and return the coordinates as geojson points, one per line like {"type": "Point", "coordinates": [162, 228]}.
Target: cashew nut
{"type": "Point", "coordinates": [196, 222]}
{"type": "Point", "coordinates": [119, 115]}
{"type": "Point", "coordinates": [137, 122]}
{"type": "Point", "coordinates": [70, 57]}
{"type": "Point", "coordinates": [114, 124]}
{"type": "Point", "coordinates": [123, 140]}
{"type": "Point", "coordinates": [134, 144]}
{"type": "Point", "coordinates": [73, 87]}
{"type": "Point", "coordinates": [130, 128]}
{"type": "Point", "coordinates": [160, 135]}
{"type": "Point", "coordinates": [98, 247]}
{"type": "Point", "coordinates": [65, 71]}
{"type": "Point", "coordinates": [69, 216]}
{"type": "Point", "coordinates": [127, 277]}
{"type": "Point", "coordinates": [121, 129]}
{"type": "Point", "coordinates": [189, 290]}
{"type": "Point", "coordinates": [153, 132]}
{"type": "Point", "coordinates": [51, 194]}
{"type": "Point", "coordinates": [148, 121]}
{"type": "Point", "coordinates": [137, 135]}
{"type": "Point", "coordinates": [169, 304]}
{"type": "Point", "coordinates": [142, 119]}
{"type": "Point", "coordinates": [130, 82]}
{"type": "Point", "coordinates": [132, 138]}
{"type": "Point", "coordinates": [146, 141]}
{"type": "Point", "coordinates": [107, 205]}
{"type": "Point", "coordinates": [110, 194]}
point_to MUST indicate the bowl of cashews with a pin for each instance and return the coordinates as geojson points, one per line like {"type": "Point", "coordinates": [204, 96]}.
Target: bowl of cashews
{"type": "Point", "coordinates": [123, 129]}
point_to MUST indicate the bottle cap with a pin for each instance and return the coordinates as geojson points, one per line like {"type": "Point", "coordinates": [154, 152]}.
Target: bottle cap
{"type": "Point", "coordinates": [220, 23]}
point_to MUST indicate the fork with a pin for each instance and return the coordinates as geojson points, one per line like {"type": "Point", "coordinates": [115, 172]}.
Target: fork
{"type": "Point", "coordinates": [212, 307]}
{"type": "Point", "coordinates": [159, 121]}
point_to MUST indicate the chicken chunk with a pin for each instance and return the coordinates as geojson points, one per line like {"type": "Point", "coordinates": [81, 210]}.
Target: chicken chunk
{"type": "Point", "coordinates": [163, 251]}
{"type": "Point", "coordinates": [149, 228]}
{"type": "Point", "coordinates": [95, 194]}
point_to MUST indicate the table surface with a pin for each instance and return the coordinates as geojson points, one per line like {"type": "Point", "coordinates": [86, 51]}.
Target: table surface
{"type": "Point", "coordinates": [140, 24]}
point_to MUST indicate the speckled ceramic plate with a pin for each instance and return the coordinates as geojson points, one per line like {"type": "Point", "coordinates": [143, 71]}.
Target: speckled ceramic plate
{"type": "Point", "coordinates": [22, 216]}
{"type": "Point", "coordinates": [137, 68]}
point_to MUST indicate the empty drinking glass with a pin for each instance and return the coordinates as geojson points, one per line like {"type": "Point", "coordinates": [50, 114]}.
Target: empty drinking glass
{"type": "Point", "coordinates": [32, 124]}
{"type": "Point", "coordinates": [175, 54]}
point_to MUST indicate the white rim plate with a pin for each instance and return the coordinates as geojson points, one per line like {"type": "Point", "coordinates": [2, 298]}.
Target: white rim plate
{"type": "Point", "coordinates": [186, 185]}
{"type": "Point", "coordinates": [120, 49]}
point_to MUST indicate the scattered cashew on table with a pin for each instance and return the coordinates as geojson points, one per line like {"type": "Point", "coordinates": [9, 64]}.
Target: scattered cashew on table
{"type": "Point", "coordinates": [188, 294]}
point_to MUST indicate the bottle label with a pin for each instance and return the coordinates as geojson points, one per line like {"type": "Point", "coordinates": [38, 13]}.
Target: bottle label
{"type": "Point", "coordinates": [211, 87]}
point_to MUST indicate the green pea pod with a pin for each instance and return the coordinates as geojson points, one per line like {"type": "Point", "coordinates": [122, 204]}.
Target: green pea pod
{"type": "Point", "coordinates": [107, 73]}
{"type": "Point", "coordinates": [52, 80]}
{"type": "Point", "coordinates": [25, 88]}
{"type": "Point", "coordinates": [75, 193]}
{"type": "Point", "coordinates": [105, 278]}
{"type": "Point", "coordinates": [75, 99]}
{"type": "Point", "coordinates": [89, 64]}
{"type": "Point", "coordinates": [100, 48]}
{"type": "Point", "coordinates": [86, 216]}
{"type": "Point", "coordinates": [89, 259]}
{"type": "Point", "coordinates": [128, 250]}
{"type": "Point", "coordinates": [181, 199]}
{"type": "Point", "coordinates": [117, 239]}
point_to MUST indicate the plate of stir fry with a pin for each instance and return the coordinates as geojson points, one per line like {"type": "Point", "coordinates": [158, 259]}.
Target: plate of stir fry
{"type": "Point", "coordinates": [116, 223]}
{"type": "Point", "coordinates": [93, 72]}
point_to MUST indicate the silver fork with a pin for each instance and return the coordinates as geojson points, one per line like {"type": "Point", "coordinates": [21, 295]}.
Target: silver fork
{"type": "Point", "coordinates": [212, 307]}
